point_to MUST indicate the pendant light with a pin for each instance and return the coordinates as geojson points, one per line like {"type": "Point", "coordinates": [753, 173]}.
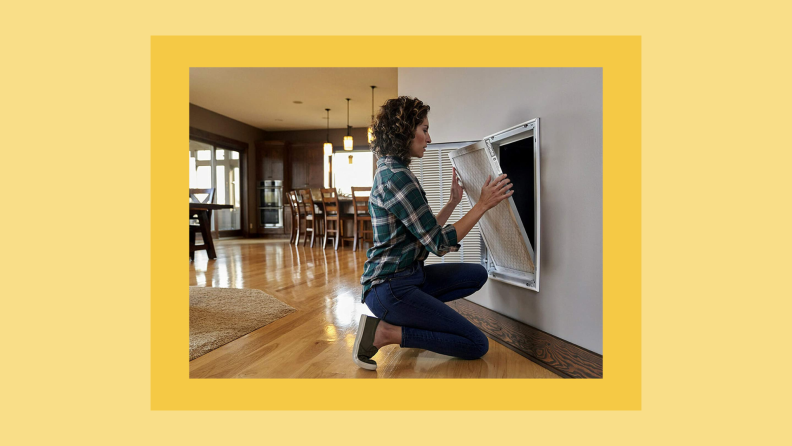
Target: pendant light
{"type": "Point", "coordinates": [328, 146]}
{"type": "Point", "coordinates": [348, 138]}
{"type": "Point", "coordinates": [371, 126]}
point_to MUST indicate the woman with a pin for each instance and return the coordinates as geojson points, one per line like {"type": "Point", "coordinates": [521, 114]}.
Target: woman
{"type": "Point", "coordinates": [407, 297]}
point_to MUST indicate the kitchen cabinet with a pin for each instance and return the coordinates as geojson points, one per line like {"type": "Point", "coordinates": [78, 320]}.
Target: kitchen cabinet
{"type": "Point", "coordinates": [297, 165]}
{"type": "Point", "coordinates": [306, 162]}
{"type": "Point", "coordinates": [270, 161]}
{"type": "Point", "coordinates": [269, 165]}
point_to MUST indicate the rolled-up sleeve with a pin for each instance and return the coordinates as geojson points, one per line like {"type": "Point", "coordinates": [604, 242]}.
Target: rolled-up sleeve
{"type": "Point", "coordinates": [402, 197]}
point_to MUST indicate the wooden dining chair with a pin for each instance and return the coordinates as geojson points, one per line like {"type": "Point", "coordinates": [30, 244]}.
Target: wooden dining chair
{"type": "Point", "coordinates": [360, 203]}
{"type": "Point", "coordinates": [208, 192]}
{"type": "Point", "coordinates": [316, 199]}
{"type": "Point", "coordinates": [312, 216]}
{"type": "Point", "coordinates": [334, 215]}
{"type": "Point", "coordinates": [295, 217]}
{"type": "Point", "coordinates": [301, 222]}
{"type": "Point", "coordinates": [200, 221]}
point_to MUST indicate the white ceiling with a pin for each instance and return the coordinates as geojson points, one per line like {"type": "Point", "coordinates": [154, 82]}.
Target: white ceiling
{"type": "Point", "coordinates": [264, 97]}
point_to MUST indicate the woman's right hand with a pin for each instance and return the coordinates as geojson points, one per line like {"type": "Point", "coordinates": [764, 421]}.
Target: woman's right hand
{"type": "Point", "coordinates": [493, 192]}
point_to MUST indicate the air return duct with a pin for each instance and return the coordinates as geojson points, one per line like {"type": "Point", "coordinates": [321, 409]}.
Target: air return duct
{"type": "Point", "coordinates": [510, 230]}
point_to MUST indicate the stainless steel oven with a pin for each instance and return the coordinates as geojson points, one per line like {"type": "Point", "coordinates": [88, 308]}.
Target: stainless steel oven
{"type": "Point", "coordinates": [272, 217]}
{"type": "Point", "coordinates": [271, 203]}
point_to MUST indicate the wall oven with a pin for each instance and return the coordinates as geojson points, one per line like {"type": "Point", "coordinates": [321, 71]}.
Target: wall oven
{"type": "Point", "coordinates": [271, 203]}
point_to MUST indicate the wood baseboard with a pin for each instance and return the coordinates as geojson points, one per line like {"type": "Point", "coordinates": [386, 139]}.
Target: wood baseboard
{"type": "Point", "coordinates": [272, 236]}
{"type": "Point", "coordinates": [555, 354]}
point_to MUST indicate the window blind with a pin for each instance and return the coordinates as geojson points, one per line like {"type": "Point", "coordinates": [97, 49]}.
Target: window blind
{"type": "Point", "coordinates": [434, 171]}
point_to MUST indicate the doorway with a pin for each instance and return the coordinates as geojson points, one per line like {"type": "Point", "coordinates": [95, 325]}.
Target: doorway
{"type": "Point", "coordinates": [219, 168]}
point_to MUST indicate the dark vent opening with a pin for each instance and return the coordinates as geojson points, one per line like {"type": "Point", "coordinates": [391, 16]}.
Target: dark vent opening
{"type": "Point", "coordinates": [517, 161]}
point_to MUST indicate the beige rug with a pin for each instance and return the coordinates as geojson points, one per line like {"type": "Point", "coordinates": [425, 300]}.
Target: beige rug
{"type": "Point", "coordinates": [220, 315]}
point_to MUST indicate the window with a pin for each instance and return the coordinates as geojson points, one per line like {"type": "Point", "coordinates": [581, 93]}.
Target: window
{"type": "Point", "coordinates": [434, 172]}
{"type": "Point", "coordinates": [351, 169]}
{"type": "Point", "coordinates": [212, 166]}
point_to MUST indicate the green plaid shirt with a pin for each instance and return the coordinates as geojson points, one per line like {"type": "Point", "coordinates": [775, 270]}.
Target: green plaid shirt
{"type": "Point", "coordinates": [405, 229]}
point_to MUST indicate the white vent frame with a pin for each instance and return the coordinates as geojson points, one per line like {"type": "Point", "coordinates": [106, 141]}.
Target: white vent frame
{"type": "Point", "coordinates": [492, 145]}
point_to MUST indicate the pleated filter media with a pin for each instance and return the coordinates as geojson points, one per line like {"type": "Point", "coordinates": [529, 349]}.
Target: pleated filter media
{"type": "Point", "coordinates": [499, 226]}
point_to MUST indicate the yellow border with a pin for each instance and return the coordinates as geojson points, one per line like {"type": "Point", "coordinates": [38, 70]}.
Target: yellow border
{"type": "Point", "coordinates": [620, 58]}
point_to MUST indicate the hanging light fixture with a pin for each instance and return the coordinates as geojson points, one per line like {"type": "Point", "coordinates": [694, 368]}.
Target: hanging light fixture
{"type": "Point", "coordinates": [371, 129]}
{"type": "Point", "coordinates": [328, 146]}
{"type": "Point", "coordinates": [348, 138]}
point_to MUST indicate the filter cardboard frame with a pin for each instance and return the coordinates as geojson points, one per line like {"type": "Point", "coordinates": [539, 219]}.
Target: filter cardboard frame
{"type": "Point", "coordinates": [527, 276]}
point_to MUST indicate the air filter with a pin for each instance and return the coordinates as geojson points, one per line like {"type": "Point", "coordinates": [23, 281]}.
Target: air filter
{"type": "Point", "coordinates": [510, 230]}
{"type": "Point", "coordinates": [500, 227]}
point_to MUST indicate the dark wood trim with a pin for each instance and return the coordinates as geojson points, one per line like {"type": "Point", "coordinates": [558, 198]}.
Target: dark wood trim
{"type": "Point", "coordinates": [555, 354]}
{"type": "Point", "coordinates": [244, 156]}
{"type": "Point", "coordinates": [211, 206]}
{"type": "Point", "coordinates": [219, 140]}
{"type": "Point", "coordinates": [275, 236]}
{"type": "Point", "coordinates": [287, 180]}
{"type": "Point", "coordinates": [243, 149]}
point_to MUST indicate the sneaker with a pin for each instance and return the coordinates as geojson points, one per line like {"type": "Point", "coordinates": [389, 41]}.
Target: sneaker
{"type": "Point", "coordinates": [364, 343]}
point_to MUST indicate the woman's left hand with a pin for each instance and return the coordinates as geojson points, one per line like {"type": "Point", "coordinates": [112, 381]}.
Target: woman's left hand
{"type": "Point", "coordinates": [456, 188]}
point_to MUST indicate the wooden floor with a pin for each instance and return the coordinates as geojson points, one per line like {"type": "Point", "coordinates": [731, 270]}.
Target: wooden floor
{"type": "Point", "coordinates": [316, 341]}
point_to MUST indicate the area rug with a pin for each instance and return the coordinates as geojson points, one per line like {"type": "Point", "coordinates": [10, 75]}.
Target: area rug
{"type": "Point", "coordinates": [220, 315]}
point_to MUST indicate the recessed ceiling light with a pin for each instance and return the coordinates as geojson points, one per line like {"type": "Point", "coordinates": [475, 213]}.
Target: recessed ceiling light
{"type": "Point", "coordinates": [298, 102]}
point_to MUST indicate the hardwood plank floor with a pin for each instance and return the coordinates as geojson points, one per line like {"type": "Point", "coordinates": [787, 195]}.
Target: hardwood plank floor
{"type": "Point", "coordinates": [316, 341]}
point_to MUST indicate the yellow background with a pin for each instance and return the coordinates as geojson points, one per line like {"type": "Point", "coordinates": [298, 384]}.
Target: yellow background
{"type": "Point", "coordinates": [620, 60]}
{"type": "Point", "coordinates": [715, 154]}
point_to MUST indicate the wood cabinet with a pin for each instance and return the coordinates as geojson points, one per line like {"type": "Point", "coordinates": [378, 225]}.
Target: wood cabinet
{"type": "Point", "coordinates": [306, 165]}
{"type": "Point", "coordinates": [270, 157]}
{"type": "Point", "coordinates": [269, 165]}
{"type": "Point", "coordinates": [298, 165]}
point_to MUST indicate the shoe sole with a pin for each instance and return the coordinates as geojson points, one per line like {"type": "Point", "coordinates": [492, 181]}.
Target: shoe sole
{"type": "Point", "coordinates": [361, 364]}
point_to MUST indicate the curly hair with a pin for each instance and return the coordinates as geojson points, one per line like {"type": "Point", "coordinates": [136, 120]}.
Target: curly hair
{"type": "Point", "coordinates": [394, 127]}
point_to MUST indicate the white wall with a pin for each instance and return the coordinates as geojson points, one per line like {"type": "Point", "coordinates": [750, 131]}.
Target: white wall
{"type": "Point", "coordinates": [470, 103]}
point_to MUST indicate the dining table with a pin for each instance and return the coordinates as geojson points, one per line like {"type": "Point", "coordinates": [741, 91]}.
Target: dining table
{"type": "Point", "coordinates": [346, 204]}
{"type": "Point", "coordinates": [206, 232]}
{"type": "Point", "coordinates": [345, 201]}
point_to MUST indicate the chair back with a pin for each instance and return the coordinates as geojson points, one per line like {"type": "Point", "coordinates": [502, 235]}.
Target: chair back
{"type": "Point", "coordinates": [307, 202]}
{"type": "Point", "coordinates": [297, 197]}
{"type": "Point", "coordinates": [360, 198]}
{"type": "Point", "coordinates": [293, 204]}
{"type": "Point", "coordinates": [208, 192]}
{"type": "Point", "coordinates": [209, 199]}
{"type": "Point", "coordinates": [330, 200]}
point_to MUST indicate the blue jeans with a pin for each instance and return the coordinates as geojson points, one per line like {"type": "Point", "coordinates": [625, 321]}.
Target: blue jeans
{"type": "Point", "coordinates": [415, 300]}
